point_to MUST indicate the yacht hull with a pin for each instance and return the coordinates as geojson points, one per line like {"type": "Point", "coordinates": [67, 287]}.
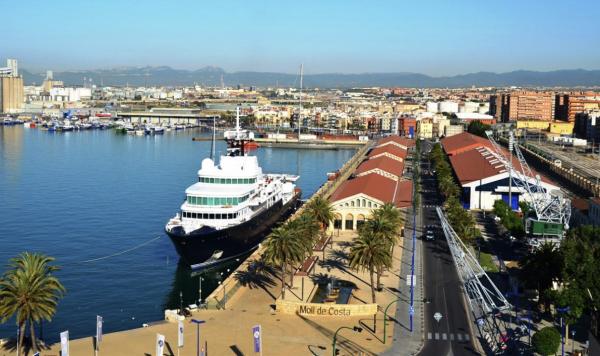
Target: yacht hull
{"type": "Point", "coordinates": [199, 248]}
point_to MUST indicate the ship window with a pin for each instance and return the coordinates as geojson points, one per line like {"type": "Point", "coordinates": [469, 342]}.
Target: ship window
{"type": "Point", "coordinates": [204, 216]}
{"type": "Point", "coordinates": [211, 216]}
{"type": "Point", "coordinates": [236, 201]}
{"type": "Point", "coordinates": [229, 201]}
{"type": "Point", "coordinates": [210, 201]}
{"type": "Point", "coordinates": [194, 215]}
{"type": "Point", "coordinates": [211, 180]}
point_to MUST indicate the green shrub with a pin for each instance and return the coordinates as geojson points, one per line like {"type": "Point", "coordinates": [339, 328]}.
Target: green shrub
{"type": "Point", "coordinates": [546, 341]}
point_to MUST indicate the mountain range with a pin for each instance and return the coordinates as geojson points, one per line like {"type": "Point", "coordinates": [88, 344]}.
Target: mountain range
{"type": "Point", "coordinates": [211, 76]}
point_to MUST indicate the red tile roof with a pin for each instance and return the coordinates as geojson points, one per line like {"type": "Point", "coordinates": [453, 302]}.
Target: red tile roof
{"type": "Point", "coordinates": [383, 163]}
{"type": "Point", "coordinates": [400, 141]}
{"type": "Point", "coordinates": [480, 163]}
{"type": "Point", "coordinates": [378, 187]}
{"type": "Point", "coordinates": [472, 165]}
{"type": "Point", "coordinates": [463, 142]}
{"type": "Point", "coordinates": [390, 149]}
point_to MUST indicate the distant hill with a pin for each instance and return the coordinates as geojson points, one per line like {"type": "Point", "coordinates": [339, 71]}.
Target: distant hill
{"type": "Point", "coordinates": [139, 76]}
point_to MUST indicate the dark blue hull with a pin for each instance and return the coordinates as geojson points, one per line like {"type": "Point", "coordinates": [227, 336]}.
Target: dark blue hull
{"type": "Point", "coordinates": [197, 247]}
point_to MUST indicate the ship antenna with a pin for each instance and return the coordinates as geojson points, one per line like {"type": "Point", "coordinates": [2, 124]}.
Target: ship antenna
{"type": "Point", "coordinates": [212, 148]}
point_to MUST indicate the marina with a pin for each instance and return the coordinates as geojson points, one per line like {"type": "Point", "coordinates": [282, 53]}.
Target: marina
{"type": "Point", "coordinates": [101, 207]}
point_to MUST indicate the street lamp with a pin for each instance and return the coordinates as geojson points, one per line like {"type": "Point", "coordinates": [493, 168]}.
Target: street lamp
{"type": "Point", "coordinates": [200, 291]}
{"type": "Point", "coordinates": [198, 322]}
{"type": "Point", "coordinates": [355, 329]}
{"type": "Point", "coordinates": [562, 311]}
{"type": "Point", "coordinates": [180, 303]}
{"type": "Point", "coordinates": [385, 317]}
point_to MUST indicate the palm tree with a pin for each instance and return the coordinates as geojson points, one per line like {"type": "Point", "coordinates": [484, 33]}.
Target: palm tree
{"type": "Point", "coordinates": [283, 248]}
{"type": "Point", "coordinates": [30, 291]}
{"type": "Point", "coordinates": [385, 231]}
{"type": "Point", "coordinates": [322, 210]}
{"type": "Point", "coordinates": [368, 252]}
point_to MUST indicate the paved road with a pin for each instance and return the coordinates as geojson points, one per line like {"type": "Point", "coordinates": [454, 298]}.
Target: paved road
{"type": "Point", "coordinates": [442, 287]}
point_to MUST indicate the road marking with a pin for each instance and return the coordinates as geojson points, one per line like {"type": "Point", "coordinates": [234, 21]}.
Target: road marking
{"type": "Point", "coordinates": [428, 336]}
{"type": "Point", "coordinates": [467, 337]}
{"type": "Point", "coordinates": [437, 336]}
{"type": "Point", "coordinates": [444, 337]}
{"type": "Point", "coordinates": [459, 337]}
{"type": "Point", "coordinates": [451, 337]}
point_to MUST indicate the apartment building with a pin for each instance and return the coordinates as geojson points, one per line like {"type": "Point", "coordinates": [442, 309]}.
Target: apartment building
{"type": "Point", "coordinates": [523, 105]}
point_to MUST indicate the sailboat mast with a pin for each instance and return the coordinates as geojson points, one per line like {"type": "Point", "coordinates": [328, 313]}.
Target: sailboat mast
{"type": "Point", "coordinates": [212, 149]}
{"type": "Point", "coordinates": [300, 113]}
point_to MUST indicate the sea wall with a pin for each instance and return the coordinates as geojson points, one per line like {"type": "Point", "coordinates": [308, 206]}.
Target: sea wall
{"type": "Point", "coordinates": [227, 289]}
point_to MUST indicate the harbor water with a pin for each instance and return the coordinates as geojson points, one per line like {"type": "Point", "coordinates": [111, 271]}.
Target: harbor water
{"type": "Point", "coordinates": [98, 203]}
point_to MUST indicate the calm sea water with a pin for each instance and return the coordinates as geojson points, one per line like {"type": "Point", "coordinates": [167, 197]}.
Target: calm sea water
{"type": "Point", "coordinates": [80, 196]}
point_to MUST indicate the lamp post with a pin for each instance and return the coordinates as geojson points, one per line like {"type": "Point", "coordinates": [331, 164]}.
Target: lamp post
{"type": "Point", "coordinates": [180, 303]}
{"type": "Point", "coordinates": [200, 291]}
{"type": "Point", "coordinates": [355, 329]}
{"type": "Point", "coordinates": [385, 317]}
{"type": "Point", "coordinates": [562, 311]}
{"type": "Point", "coordinates": [197, 322]}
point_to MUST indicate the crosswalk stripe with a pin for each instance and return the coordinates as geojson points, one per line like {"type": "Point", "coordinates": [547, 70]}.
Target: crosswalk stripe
{"type": "Point", "coordinates": [444, 336]}
{"type": "Point", "coordinates": [437, 336]}
{"type": "Point", "coordinates": [428, 336]}
{"type": "Point", "coordinates": [459, 336]}
{"type": "Point", "coordinates": [467, 337]}
{"type": "Point", "coordinates": [451, 337]}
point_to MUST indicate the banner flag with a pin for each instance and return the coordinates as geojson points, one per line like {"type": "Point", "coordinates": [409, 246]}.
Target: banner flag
{"type": "Point", "coordinates": [256, 335]}
{"type": "Point", "coordinates": [180, 334]}
{"type": "Point", "coordinates": [99, 321]}
{"type": "Point", "coordinates": [160, 344]}
{"type": "Point", "coordinates": [64, 343]}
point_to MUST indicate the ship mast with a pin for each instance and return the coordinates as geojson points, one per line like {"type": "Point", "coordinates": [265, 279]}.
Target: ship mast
{"type": "Point", "coordinates": [300, 112]}
{"type": "Point", "coordinates": [212, 148]}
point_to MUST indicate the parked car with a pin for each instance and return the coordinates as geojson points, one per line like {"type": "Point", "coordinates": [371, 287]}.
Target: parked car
{"type": "Point", "coordinates": [532, 244]}
{"type": "Point", "coordinates": [429, 235]}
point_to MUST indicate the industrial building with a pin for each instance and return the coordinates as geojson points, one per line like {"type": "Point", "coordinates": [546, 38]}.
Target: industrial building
{"type": "Point", "coordinates": [482, 177]}
{"type": "Point", "coordinates": [11, 88]}
{"type": "Point", "coordinates": [378, 180]}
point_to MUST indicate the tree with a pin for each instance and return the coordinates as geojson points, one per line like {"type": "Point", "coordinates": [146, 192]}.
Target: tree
{"type": "Point", "coordinates": [369, 253]}
{"type": "Point", "coordinates": [546, 341]}
{"type": "Point", "coordinates": [581, 256]}
{"type": "Point", "coordinates": [540, 268]}
{"type": "Point", "coordinates": [384, 230]}
{"type": "Point", "coordinates": [30, 292]}
{"type": "Point", "coordinates": [478, 128]}
{"type": "Point", "coordinates": [322, 210]}
{"type": "Point", "coordinates": [283, 248]}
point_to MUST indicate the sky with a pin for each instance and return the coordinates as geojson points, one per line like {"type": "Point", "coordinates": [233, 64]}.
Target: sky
{"type": "Point", "coordinates": [438, 38]}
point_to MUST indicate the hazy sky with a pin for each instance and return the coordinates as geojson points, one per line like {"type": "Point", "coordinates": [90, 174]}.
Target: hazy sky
{"type": "Point", "coordinates": [432, 37]}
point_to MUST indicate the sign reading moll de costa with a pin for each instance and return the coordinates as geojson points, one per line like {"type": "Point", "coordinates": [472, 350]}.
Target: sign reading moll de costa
{"type": "Point", "coordinates": [329, 310]}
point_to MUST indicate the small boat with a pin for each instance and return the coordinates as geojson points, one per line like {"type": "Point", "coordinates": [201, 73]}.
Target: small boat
{"type": "Point", "coordinates": [67, 126]}
{"type": "Point", "coordinates": [159, 130]}
{"type": "Point", "coordinates": [139, 132]}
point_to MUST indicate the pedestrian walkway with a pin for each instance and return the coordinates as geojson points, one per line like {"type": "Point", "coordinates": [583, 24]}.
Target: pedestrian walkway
{"type": "Point", "coordinates": [228, 331]}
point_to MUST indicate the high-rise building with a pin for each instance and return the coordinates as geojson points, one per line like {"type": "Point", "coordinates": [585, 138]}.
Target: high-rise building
{"type": "Point", "coordinates": [567, 106]}
{"type": "Point", "coordinates": [523, 105]}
